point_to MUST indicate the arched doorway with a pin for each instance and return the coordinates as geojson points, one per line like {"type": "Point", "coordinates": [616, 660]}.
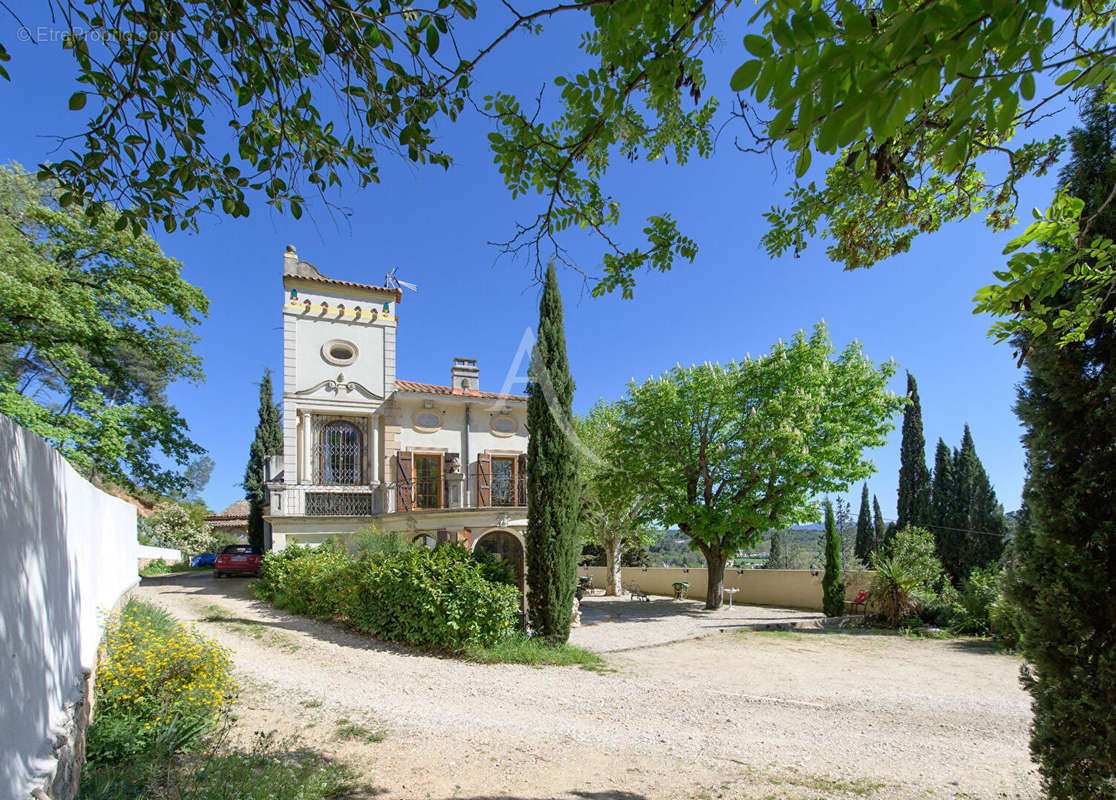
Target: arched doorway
{"type": "Point", "coordinates": [505, 546]}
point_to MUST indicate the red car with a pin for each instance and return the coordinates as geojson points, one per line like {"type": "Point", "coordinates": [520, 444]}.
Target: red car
{"type": "Point", "coordinates": [238, 559]}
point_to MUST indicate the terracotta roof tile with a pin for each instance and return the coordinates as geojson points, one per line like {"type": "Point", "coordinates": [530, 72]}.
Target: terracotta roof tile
{"type": "Point", "coordinates": [398, 294]}
{"type": "Point", "coordinates": [430, 388]}
{"type": "Point", "coordinates": [238, 510]}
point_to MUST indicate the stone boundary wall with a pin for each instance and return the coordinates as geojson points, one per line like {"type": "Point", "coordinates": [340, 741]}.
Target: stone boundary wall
{"type": "Point", "coordinates": [68, 552]}
{"type": "Point", "coordinates": [784, 588]}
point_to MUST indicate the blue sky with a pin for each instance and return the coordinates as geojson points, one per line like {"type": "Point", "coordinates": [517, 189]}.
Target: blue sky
{"type": "Point", "coordinates": [435, 226]}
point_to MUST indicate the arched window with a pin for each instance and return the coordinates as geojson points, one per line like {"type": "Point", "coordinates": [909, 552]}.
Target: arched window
{"type": "Point", "coordinates": [342, 453]}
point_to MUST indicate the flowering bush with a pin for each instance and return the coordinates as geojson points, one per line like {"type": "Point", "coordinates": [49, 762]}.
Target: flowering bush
{"type": "Point", "coordinates": [173, 525]}
{"type": "Point", "coordinates": [157, 681]}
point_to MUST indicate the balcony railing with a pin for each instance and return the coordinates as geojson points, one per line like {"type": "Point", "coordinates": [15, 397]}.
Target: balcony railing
{"type": "Point", "coordinates": [339, 504]}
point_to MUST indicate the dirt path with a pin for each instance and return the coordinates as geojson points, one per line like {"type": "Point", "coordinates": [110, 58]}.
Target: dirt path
{"type": "Point", "coordinates": [732, 715]}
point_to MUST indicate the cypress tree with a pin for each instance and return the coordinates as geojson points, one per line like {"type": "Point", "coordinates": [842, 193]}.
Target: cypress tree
{"type": "Point", "coordinates": [833, 590]}
{"type": "Point", "coordinates": [914, 479]}
{"type": "Point", "coordinates": [865, 535]}
{"type": "Point", "coordinates": [880, 529]}
{"type": "Point", "coordinates": [977, 518]}
{"type": "Point", "coordinates": [268, 441]}
{"type": "Point", "coordinates": [775, 557]}
{"type": "Point", "coordinates": [552, 540]}
{"type": "Point", "coordinates": [1066, 555]}
{"type": "Point", "coordinates": [945, 523]}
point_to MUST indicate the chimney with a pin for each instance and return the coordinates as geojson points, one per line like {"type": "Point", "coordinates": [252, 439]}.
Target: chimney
{"type": "Point", "coordinates": [290, 261]}
{"type": "Point", "coordinates": [465, 376]}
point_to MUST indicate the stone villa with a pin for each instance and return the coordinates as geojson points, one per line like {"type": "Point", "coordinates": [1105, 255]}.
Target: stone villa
{"type": "Point", "coordinates": [360, 446]}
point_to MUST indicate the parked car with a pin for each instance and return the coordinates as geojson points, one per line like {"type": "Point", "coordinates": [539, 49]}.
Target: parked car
{"type": "Point", "coordinates": [238, 559]}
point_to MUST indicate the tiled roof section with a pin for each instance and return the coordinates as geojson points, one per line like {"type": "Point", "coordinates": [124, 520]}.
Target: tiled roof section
{"type": "Point", "coordinates": [430, 388]}
{"type": "Point", "coordinates": [238, 510]}
{"type": "Point", "coordinates": [398, 294]}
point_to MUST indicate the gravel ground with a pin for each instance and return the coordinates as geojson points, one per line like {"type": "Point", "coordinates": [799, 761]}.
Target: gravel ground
{"type": "Point", "coordinates": [612, 625]}
{"type": "Point", "coordinates": [730, 715]}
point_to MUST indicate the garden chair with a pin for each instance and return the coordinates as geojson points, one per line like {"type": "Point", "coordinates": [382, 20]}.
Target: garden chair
{"type": "Point", "coordinates": [638, 594]}
{"type": "Point", "coordinates": [860, 601]}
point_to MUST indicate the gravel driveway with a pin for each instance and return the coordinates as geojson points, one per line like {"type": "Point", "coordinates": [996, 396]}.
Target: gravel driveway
{"type": "Point", "coordinates": [731, 715]}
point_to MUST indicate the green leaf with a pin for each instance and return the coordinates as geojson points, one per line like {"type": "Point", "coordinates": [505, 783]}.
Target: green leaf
{"type": "Point", "coordinates": [1027, 86]}
{"type": "Point", "coordinates": [803, 162]}
{"type": "Point", "coordinates": [77, 101]}
{"type": "Point", "coordinates": [745, 75]}
{"type": "Point", "coordinates": [758, 46]}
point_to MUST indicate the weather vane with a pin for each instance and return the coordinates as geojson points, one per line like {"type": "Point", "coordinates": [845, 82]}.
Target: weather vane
{"type": "Point", "coordinates": [393, 282]}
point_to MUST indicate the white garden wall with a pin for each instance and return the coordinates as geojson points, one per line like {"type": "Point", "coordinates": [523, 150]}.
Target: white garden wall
{"type": "Point", "coordinates": [68, 552]}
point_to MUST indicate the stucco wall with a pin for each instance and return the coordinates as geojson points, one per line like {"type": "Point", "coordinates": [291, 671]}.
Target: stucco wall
{"type": "Point", "coordinates": [68, 552]}
{"type": "Point", "coordinates": [147, 554]}
{"type": "Point", "coordinates": [786, 588]}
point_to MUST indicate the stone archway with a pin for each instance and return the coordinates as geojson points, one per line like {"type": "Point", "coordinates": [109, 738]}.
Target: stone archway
{"type": "Point", "coordinates": [506, 546]}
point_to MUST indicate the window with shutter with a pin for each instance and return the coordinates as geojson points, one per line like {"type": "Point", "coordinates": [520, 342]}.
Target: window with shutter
{"type": "Point", "coordinates": [484, 480]}
{"type": "Point", "coordinates": [427, 481]}
{"type": "Point", "coordinates": [404, 494]}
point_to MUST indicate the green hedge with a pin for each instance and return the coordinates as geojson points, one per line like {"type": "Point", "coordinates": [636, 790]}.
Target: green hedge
{"type": "Point", "coordinates": [431, 598]}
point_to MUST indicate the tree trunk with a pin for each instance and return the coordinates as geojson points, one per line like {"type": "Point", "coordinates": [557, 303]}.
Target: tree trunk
{"type": "Point", "coordinates": [612, 567]}
{"type": "Point", "coordinates": [715, 561]}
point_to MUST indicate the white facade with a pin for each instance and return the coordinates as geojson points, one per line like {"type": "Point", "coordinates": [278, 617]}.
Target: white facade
{"type": "Point", "coordinates": [445, 462]}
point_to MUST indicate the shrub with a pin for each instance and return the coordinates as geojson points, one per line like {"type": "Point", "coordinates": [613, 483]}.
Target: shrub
{"type": "Point", "coordinates": [494, 569]}
{"type": "Point", "coordinates": [432, 598]}
{"type": "Point", "coordinates": [179, 526]}
{"type": "Point", "coordinates": [159, 683]}
{"type": "Point", "coordinates": [913, 549]}
{"type": "Point", "coordinates": [973, 610]}
{"type": "Point", "coordinates": [306, 580]}
{"type": "Point", "coordinates": [372, 542]}
{"type": "Point", "coordinates": [893, 587]}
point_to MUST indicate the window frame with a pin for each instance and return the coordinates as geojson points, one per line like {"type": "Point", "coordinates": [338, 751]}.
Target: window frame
{"type": "Point", "coordinates": [322, 452]}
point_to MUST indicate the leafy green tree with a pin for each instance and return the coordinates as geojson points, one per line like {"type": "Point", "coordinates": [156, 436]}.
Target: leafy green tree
{"type": "Point", "coordinates": [1062, 575]}
{"type": "Point", "coordinates": [94, 323]}
{"type": "Point", "coordinates": [268, 441]}
{"type": "Point", "coordinates": [612, 508]}
{"type": "Point", "coordinates": [726, 452]}
{"type": "Point", "coordinates": [552, 481]}
{"type": "Point", "coordinates": [315, 95]}
{"type": "Point", "coordinates": [865, 536]}
{"type": "Point", "coordinates": [833, 590]}
{"type": "Point", "coordinates": [878, 525]}
{"type": "Point", "coordinates": [197, 476]}
{"type": "Point", "coordinates": [914, 479]}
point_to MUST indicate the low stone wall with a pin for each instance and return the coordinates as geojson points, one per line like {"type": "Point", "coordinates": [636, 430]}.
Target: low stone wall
{"type": "Point", "coordinates": [785, 588]}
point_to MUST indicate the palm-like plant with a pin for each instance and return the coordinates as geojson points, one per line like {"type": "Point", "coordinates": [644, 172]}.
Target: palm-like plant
{"type": "Point", "coordinates": [893, 587]}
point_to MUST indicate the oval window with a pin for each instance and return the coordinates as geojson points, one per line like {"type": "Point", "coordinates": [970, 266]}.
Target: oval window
{"type": "Point", "coordinates": [339, 352]}
{"type": "Point", "coordinates": [503, 425]}
{"type": "Point", "coordinates": [428, 421]}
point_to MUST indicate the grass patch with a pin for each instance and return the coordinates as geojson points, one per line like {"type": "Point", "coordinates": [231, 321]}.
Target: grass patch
{"type": "Point", "coordinates": [264, 634]}
{"type": "Point", "coordinates": [161, 567]}
{"type": "Point", "coordinates": [830, 787]}
{"type": "Point", "coordinates": [521, 650]}
{"type": "Point", "coordinates": [348, 731]}
{"type": "Point", "coordinates": [269, 770]}
{"type": "Point", "coordinates": [310, 703]}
